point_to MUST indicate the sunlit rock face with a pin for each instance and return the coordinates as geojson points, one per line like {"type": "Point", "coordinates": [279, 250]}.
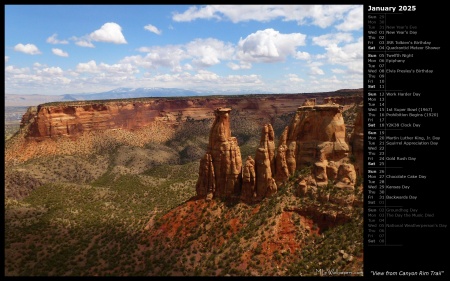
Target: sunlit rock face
{"type": "Point", "coordinates": [225, 157]}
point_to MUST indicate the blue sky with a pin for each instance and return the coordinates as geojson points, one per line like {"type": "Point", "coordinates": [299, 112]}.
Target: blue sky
{"type": "Point", "coordinates": [67, 49]}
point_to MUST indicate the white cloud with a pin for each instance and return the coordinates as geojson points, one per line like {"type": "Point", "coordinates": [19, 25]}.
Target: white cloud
{"type": "Point", "coordinates": [166, 56]}
{"type": "Point", "coordinates": [202, 53]}
{"type": "Point", "coordinates": [338, 70]}
{"type": "Point", "coordinates": [333, 38]}
{"type": "Point", "coordinates": [13, 70]}
{"type": "Point", "coordinates": [321, 15]}
{"type": "Point", "coordinates": [53, 40]}
{"type": "Point", "coordinates": [90, 67]}
{"type": "Point", "coordinates": [110, 32]}
{"type": "Point", "coordinates": [107, 70]}
{"type": "Point", "coordinates": [314, 68]}
{"type": "Point", "coordinates": [269, 45]}
{"type": "Point", "coordinates": [204, 75]}
{"type": "Point", "coordinates": [6, 58]}
{"type": "Point", "coordinates": [302, 55]}
{"type": "Point", "coordinates": [37, 65]}
{"type": "Point", "coordinates": [29, 49]}
{"type": "Point", "coordinates": [50, 71]}
{"type": "Point", "coordinates": [353, 21]}
{"type": "Point", "coordinates": [59, 52]}
{"type": "Point", "coordinates": [242, 65]}
{"type": "Point", "coordinates": [325, 15]}
{"type": "Point", "coordinates": [209, 52]}
{"type": "Point", "coordinates": [350, 55]}
{"type": "Point", "coordinates": [153, 29]}
{"type": "Point", "coordinates": [83, 42]}
{"type": "Point", "coordinates": [193, 13]}
{"type": "Point", "coordinates": [294, 78]}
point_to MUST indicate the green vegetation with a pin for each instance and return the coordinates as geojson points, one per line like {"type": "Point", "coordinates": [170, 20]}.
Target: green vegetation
{"type": "Point", "coordinates": [129, 211]}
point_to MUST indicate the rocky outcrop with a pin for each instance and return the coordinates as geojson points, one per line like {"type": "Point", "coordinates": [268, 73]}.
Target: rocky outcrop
{"type": "Point", "coordinates": [265, 164]}
{"type": "Point", "coordinates": [248, 193]}
{"type": "Point", "coordinates": [29, 116]}
{"type": "Point", "coordinates": [225, 155]}
{"type": "Point", "coordinates": [357, 141]}
{"type": "Point", "coordinates": [281, 163]}
{"type": "Point", "coordinates": [315, 138]}
{"type": "Point", "coordinates": [206, 183]}
{"type": "Point", "coordinates": [77, 117]}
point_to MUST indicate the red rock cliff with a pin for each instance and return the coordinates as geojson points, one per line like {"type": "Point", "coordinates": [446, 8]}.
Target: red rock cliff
{"type": "Point", "coordinates": [75, 118]}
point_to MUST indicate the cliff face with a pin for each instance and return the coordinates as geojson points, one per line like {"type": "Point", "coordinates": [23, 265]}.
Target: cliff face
{"type": "Point", "coordinates": [75, 118]}
{"type": "Point", "coordinates": [357, 141]}
{"type": "Point", "coordinates": [315, 138]}
{"type": "Point", "coordinates": [222, 160]}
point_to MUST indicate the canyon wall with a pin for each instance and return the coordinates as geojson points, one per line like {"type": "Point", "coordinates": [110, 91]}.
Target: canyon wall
{"type": "Point", "coordinates": [75, 118]}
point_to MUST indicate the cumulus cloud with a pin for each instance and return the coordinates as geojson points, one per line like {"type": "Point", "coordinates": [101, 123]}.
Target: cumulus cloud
{"type": "Point", "coordinates": [269, 45]}
{"type": "Point", "coordinates": [320, 15]}
{"type": "Point", "coordinates": [302, 55]}
{"type": "Point", "coordinates": [110, 32]}
{"type": "Point", "coordinates": [202, 53]}
{"type": "Point", "coordinates": [338, 70]}
{"type": "Point", "coordinates": [6, 58]}
{"type": "Point", "coordinates": [159, 56]}
{"type": "Point", "coordinates": [242, 65]}
{"type": "Point", "coordinates": [333, 38]}
{"type": "Point", "coordinates": [53, 40]}
{"type": "Point", "coordinates": [83, 42]}
{"type": "Point", "coordinates": [13, 70]}
{"type": "Point", "coordinates": [350, 55]}
{"type": "Point", "coordinates": [314, 68]}
{"type": "Point", "coordinates": [294, 78]}
{"type": "Point", "coordinates": [50, 71]}
{"type": "Point", "coordinates": [59, 52]}
{"type": "Point", "coordinates": [209, 52]}
{"type": "Point", "coordinates": [153, 29]}
{"type": "Point", "coordinates": [106, 69]}
{"type": "Point", "coordinates": [193, 13]}
{"type": "Point", "coordinates": [29, 49]}
{"type": "Point", "coordinates": [90, 66]}
{"type": "Point", "coordinates": [353, 20]}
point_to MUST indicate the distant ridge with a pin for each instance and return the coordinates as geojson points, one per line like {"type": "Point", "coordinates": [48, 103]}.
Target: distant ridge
{"type": "Point", "coordinates": [120, 93]}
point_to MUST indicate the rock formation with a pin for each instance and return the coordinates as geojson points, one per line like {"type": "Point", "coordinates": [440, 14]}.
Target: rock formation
{"type": "Point", "coordinates": [248, 193]}
{"type": "Point", "coordinates": [265, 164]}
{"type": "Point", "coordinates": [315, 138]}
{"type": "Point", "coordinates": [226, 160]}
{"type": "Point", "coordinates": [281, 162]}
{"type": "Point", "coordinates": [357, 141]}
{"type": "Point", "coordinates": [76, 117]}
{"type": "Point", "coordinates": [206, 183]}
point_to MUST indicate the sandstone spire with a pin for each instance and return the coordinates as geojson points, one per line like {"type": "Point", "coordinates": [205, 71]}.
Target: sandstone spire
{"type": "Point", "coordinates": [225, 157]}
{"type": "Point", "coordinates": [265, 164]}
{"type": "Point", "coordinates": [248, 193]}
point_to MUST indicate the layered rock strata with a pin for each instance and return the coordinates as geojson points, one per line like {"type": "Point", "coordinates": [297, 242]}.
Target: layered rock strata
{"type": "Point", "coordinates": [357, 141]}
{"type": "Point", "coordinates": [77, 117]}
{"type": "Point", "coordinates": [225, 155]}
{"type": "Point", "coordinates": [315, 138]}
{"type": "Point", "coordinates": [265, 164]}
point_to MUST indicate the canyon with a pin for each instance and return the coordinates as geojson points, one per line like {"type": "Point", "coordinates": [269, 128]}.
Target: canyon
{"type": "Point", "coordinates": [256, 185]}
